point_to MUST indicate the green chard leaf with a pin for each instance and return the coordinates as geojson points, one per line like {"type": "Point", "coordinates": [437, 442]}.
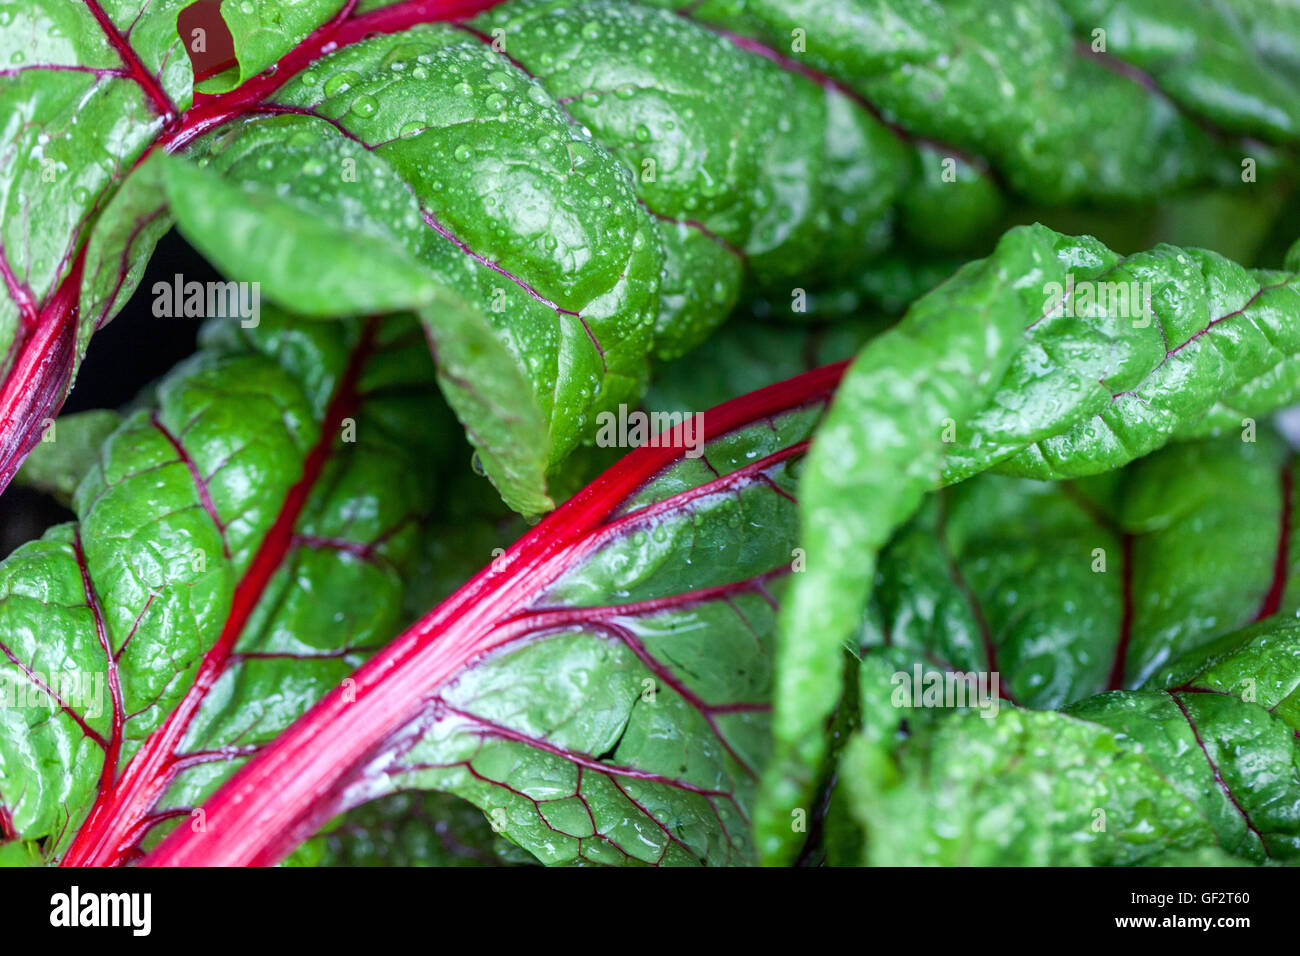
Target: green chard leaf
{"type": "Point", "coordinates": [1071, 589]}
{"type": "Point", "coordinates": [586, 218]}
{"type": "Point", "coordinates": [1200, 770]}
{"type": "Point", "coordinates": [1053, 358]}
{"type": "Point", "coordinates": [1026, 788]}
{"type": "Point", "coordinates": [88, 88]}
{"type": "Point", "coordinates": [1001, 68]}
{"type": "Point", "coordinates": [1182, 647]}
{"type": "Point", "coordinates": [238, 550]}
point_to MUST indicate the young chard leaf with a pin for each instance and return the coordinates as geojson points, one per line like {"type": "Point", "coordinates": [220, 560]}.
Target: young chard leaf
{"type": "Point", "coordinates": [600, 691]}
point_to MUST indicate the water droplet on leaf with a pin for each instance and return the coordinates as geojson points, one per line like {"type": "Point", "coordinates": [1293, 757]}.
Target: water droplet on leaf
{"type": "Point", "coordinates": [341, 82]}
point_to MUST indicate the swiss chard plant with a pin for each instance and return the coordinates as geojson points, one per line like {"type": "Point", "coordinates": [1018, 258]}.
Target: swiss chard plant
{"type": "Point", "coordinates": [1013, 585]}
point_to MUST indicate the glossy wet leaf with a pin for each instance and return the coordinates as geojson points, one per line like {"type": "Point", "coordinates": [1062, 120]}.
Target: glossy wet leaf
{"type": "Point", "coordinates": [237, 551]}
{"type": "Point", "coordinates": [1179, 727]}
{"type": "Point", "coordinates": [1008, 366]}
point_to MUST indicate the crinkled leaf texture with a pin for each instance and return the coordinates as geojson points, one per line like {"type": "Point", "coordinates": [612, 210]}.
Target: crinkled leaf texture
{"type": "Point", "coordinates": [600, 691]}
{"type": "Point", "coordinates": [1156, 611]}
{"type": "Point", "coordinates": [996, 369]}
{"type": "Point", "coordinates": [237, 551]}
{"type": "Point", "coordinates": [574, 178]}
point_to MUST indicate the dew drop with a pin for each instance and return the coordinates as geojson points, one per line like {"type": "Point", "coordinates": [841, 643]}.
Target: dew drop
{"type": "Point", "coordinates": [365, 106]}
{"type": "Point", "coordinates": [580, 154]}
{"type": "Point", "coordinates": [341, 82]}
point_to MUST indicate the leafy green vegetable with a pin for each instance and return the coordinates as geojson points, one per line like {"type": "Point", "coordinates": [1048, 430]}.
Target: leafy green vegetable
{"type": "Point", "coordinates": [1007, 366]}
{"type": "Point", "coordinates": [1073, 589]}
{"type": "Point", "coordinates": [1055, 776]}
{"type": "Point", "coordinates": [1207, 763]}
{"type": "Point", "coordinates": [999, 611]}
{"type": "Point", "coordinates": [1034, 90]}
{"type": "Point", "coordinates": [1130, 604]}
